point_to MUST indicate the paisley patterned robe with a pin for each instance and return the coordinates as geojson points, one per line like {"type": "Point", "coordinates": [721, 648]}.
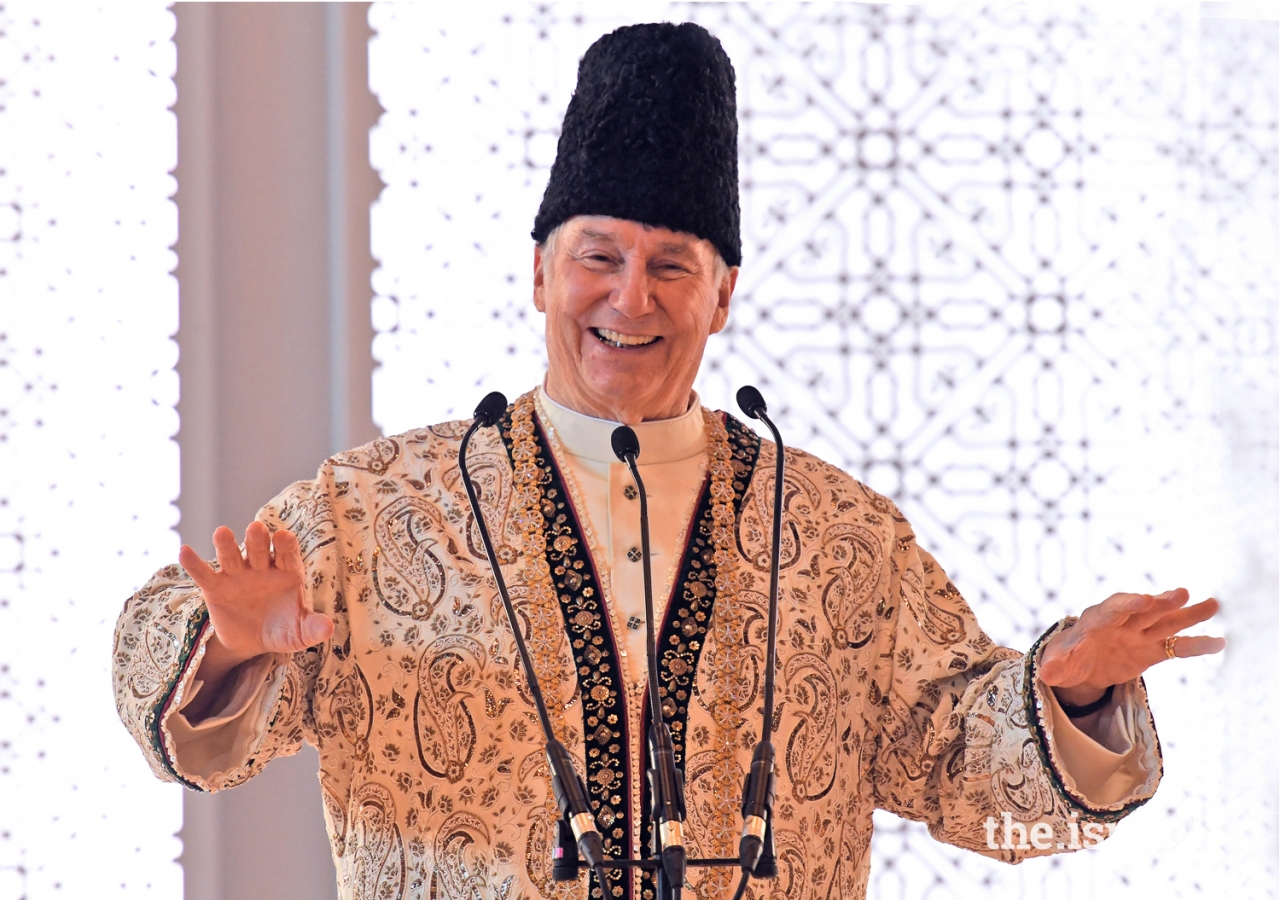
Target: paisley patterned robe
{"type": "Point", "coordinates": [432, 771]}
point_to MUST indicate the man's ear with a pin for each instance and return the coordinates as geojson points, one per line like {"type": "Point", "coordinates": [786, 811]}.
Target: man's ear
{"type": "Point", "coordinates": [720, 317]}
{"type": "Point", "coordinates": [539, 284]}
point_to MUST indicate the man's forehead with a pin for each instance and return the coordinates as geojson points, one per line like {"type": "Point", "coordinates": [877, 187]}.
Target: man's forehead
{"type": "Point", "coordinates": [670, 242]}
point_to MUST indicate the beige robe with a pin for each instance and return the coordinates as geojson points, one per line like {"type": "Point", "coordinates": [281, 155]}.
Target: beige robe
{"type": "Point", "coordinates": [432, 773]}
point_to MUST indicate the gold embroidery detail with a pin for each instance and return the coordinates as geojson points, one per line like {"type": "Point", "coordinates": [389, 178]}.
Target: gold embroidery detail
{"type": "Point", "coordinates": [727, 623]}
{"type": "Point", "coordinates": [545, 625]}
{"type": "Point", "coordinates": [493, 707]}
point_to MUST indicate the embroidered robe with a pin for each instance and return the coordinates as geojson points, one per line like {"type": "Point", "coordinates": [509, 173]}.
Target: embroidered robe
{"type": "Point", "coordinates": [432, 772]}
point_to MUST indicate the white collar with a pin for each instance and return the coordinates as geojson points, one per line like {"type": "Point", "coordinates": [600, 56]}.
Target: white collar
{"type": "Point", "coordinates": [661, 440]}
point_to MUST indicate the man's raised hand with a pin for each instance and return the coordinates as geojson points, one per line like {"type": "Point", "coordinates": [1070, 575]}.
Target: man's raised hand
{"type": "Point", "coordinates": [1120, 638]}
{"type": "Point", "coordinates": [257, 599]}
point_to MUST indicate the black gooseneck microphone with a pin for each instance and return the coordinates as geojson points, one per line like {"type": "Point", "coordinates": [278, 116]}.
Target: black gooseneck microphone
{"type": "Point", "coordinates": [755, 849]}
{"type": "Point", "coordinates": [576, 820]}
{"type": "Point", "coordinates": [665, 786]}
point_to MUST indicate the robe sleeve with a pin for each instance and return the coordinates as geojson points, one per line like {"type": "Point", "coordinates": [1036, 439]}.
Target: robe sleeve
{"type": "Point", "coordinates": [266, 711]}
{"type": "Point", "coordinates": [966, 738]}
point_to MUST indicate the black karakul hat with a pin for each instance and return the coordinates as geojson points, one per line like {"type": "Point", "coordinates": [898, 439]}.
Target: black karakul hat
{"type": "Point", "coordinates": [651, 135]}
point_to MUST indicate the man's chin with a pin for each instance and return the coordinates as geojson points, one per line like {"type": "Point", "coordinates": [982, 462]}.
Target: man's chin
{"type": "Point", "coordinates": [625, 373]}
{"type": "Point", "coordinates": [630, 386]}
{"type": "Point", "coordinates": [622, 393]}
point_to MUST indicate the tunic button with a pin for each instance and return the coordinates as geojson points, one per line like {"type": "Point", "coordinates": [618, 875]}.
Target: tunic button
{"type": "Point", "coordinates": [630, 492]}
{"type": "Point", "coordinates": [634, 554]}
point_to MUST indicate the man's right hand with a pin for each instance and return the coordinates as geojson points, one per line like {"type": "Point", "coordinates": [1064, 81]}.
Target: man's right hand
{"type": "Point", "coordinates": [257, 604]}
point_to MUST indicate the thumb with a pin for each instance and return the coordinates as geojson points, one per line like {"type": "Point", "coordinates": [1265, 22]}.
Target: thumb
{"type": "Point", "coordinates": [316, 629]}
{"type": "Point", "coordinates": [1059, 662]}
{"type": "Point", "coordinates": [1055, 670]}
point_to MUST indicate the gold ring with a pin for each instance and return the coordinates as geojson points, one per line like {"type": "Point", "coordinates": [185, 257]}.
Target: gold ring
{"type": "Point", "coordinates": [1169, 642]}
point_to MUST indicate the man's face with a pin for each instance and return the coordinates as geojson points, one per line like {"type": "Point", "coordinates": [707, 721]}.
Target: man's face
{"type": "Point", "coordinates": [629, 309]}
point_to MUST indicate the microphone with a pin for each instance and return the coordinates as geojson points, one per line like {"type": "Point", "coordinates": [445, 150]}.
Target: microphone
{"type": "Point", "coordinates": [566, 785]}
{"type": "Point", "coordinates": [665, 785]}
{"type": "Point", "coordinates": [490, 409]}
{"type": "Point", "coordinates": [750, 401]}
{"type": "Point", "coordinates": [755, 848]}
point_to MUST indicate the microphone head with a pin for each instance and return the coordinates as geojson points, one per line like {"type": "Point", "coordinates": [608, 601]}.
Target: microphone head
{"type": "Point", "coordinates": [626, 446]}
{"type": "Point", "coordinates": [750, 401]}
{"type": "Point", "coordinates": [491, 409]}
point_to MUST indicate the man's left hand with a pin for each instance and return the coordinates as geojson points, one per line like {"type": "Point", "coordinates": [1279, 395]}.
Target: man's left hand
{"type": "Point", "coordinates": [1119, 639]}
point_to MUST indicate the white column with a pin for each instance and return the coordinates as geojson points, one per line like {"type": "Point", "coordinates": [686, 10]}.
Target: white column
{"type": "Point", "coordinates": [274, 188]}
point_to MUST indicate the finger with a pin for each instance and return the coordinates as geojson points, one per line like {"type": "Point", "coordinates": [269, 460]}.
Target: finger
{"type": "Point", "coordinates": [1198, 645]}
{"type": "Point", "coordinates": [1160, 605]}
{"type": "Point", "coordinates": [1180, 620]}
{"type": "Point", "coordinates": [288, 555]}
{"type": "Point", "coordinates": [228, 551]}
{"type": "Point", "coordinates": [316, 629]}
{"type": "Point", "coordinates": [288, 558]}
{"type": "Point", "coordinates": [257, 546]}
{"type": "Point", "coordinates": [1120, 608]}
{"type": "Point", "coordinates": [200, 571]}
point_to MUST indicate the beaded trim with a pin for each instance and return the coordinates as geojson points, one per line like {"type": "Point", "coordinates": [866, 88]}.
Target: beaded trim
{"type": "Point", "coordinates": [732, 692]}
{"type": "Point", "coordinates": [541, 607]}
{"type": "Point", "coordinates": [565, 589]}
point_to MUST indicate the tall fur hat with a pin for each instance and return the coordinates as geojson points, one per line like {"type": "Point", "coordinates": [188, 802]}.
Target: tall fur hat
{"type": "Point", "coordinates": [651, 135]}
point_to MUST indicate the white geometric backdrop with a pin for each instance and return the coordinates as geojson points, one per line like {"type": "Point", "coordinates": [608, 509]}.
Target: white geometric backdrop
{"type": "Point", "coordinates": [1015, 268]}
{"type": "Point", "coordinates": [90, 469]}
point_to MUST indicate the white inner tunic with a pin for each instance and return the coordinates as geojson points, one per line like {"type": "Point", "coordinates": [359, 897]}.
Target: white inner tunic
{"type": "Point", "coordinates": [673, 466]}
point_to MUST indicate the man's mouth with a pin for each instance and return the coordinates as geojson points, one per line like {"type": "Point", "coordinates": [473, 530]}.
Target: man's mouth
{"type": "Point", "coordinates": [623, 341]}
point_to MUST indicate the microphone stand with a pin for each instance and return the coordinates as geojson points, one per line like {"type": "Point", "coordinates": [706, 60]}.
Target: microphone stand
{"type": "Point", "coordinates": [576, 820]}
{"type": "Point", "coordinates": [755, 848]}
{"type": "Point", "coordinates": [666, 788]}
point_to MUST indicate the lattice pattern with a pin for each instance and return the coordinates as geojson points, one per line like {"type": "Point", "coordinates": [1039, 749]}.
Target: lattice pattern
{"type": "Point", "coordinates": [1014, 268]}
{"type": "Point", "coordinates": [87, 394]}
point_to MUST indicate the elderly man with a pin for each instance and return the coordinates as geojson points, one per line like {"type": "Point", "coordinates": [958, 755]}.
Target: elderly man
{"type": "Point", "coordinates": [360, 615]}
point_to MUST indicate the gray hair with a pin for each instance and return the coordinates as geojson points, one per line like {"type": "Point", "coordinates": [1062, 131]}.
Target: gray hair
{"type": "Point", "coordinates": [548, 248]}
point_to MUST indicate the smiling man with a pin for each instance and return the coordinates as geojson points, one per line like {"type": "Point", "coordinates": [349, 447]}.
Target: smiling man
{"type": "Point", "coordinates": [360, 614]}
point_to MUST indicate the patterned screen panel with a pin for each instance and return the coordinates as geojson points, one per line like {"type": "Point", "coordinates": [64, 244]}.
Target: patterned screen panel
{"type": "Point", "coordinates": [1015, 269]}
{"type": "Point", "coordinates": [87, 394]}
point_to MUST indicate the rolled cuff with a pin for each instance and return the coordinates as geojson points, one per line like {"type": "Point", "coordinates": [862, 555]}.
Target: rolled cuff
{"type": "Point", "coordinates": [212, 754]}
{"type": "Point", "coordinates": [1108, 775]}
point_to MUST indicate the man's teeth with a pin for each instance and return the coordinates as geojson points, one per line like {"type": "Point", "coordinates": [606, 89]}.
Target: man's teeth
{"type": "Point", "coordinates": [618, 339]}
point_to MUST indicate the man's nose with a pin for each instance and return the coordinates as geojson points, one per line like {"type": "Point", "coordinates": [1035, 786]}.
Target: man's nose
{"type": "Point", "coordinates": [632, 297]}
